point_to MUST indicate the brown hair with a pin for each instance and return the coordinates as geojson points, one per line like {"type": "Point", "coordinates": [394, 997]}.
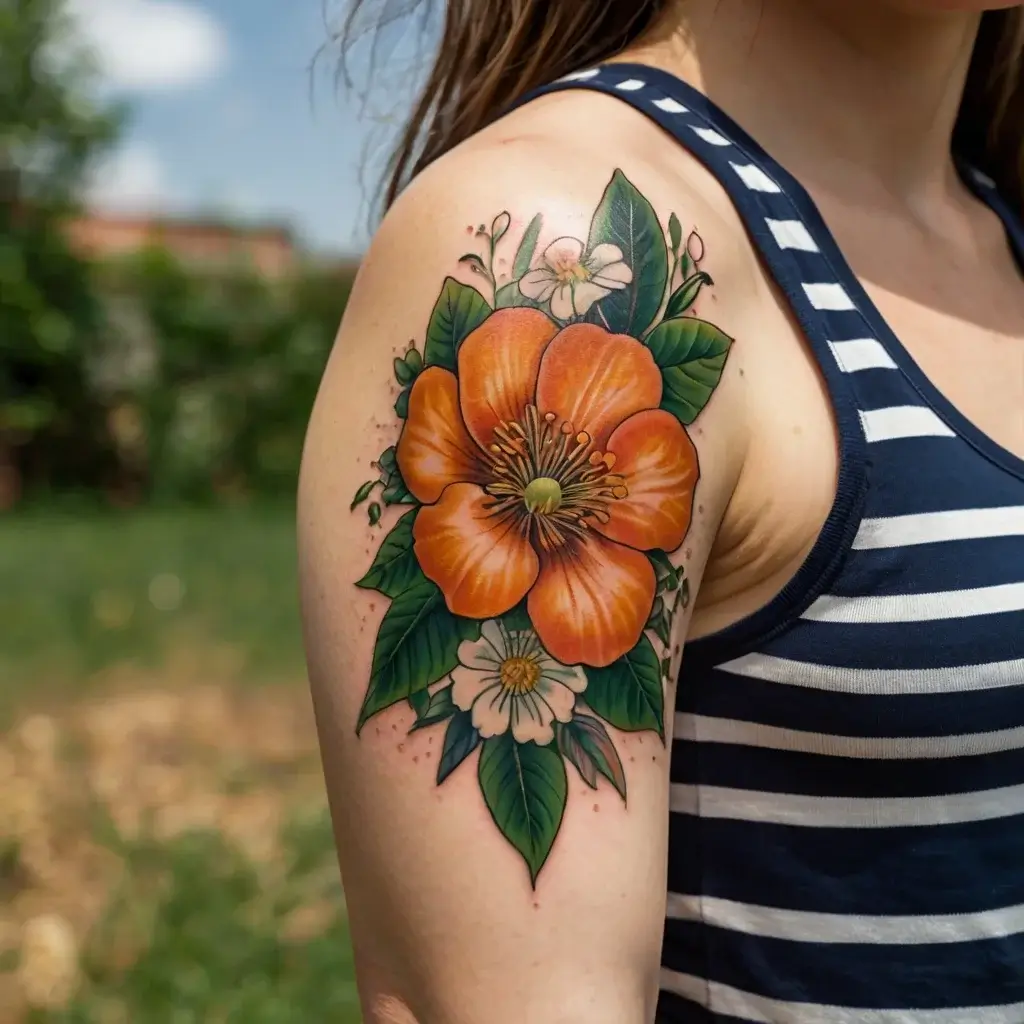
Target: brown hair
{"type": "Point", "coordinates": [493, 53]}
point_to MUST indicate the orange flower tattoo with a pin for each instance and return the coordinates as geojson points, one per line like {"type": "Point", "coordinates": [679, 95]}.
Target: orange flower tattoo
{"type": "Point", "coordinates": [547, 470]}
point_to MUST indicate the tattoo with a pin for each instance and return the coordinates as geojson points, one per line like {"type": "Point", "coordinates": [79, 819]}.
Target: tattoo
{"type": "Point", "coordinates": [548, 477]}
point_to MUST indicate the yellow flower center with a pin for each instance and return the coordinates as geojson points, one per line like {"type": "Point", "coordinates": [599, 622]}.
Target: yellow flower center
{"type": "Point", "coordinates": [550, 478]}
{"type": "Point", "coordinates": [543, 495]}
{"type": "Point", "coordinates": [519, 675]}
{"type": "Point", "coordinates": [570, 273]}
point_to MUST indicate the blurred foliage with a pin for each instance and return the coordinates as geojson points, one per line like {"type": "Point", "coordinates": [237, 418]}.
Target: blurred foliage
{"type": "Point", "coordinates": [51, 130]}
{"type": "Point", "coordinates": [142, 379]}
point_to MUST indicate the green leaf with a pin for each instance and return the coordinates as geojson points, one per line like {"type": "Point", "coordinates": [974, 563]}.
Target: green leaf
{"type": "Point", "coordinates": [686, 294]}
{"type": "Point", "coordinates": [404, 373]}
{"type": "Point", "coordinates": [439, 708]}
{"type": "Point", "coordinates": [675, 232]}
{"type": "Point", "coordinates": [499, 226]}
{"type": "Point", "coordinates": [419, 702]}
{"type": "Point", "coordinates": [517, 620]}
{"type": "Point", "coordinates": [626, 219]}
{"type": "Point", "coordinates": [510, 295]}
{"type": "Point", "coordinates": [395, 568]}
{"type": "Point", "coordinates": [460, 740]}
{"type": "Point", "coordinates": [691, 354]}
{"type": "Point", "coordinates": [660, 622]}
{"type": "Point", "coordinates": [417, 644]}
{"type": "Point", "coordinates": [525, 789]}
{"type": "Point", "coordinates": [414, 361]}
{"type": "Point", "coordinates": [586, 743]}
{"type": "Point", "coordinates": [628, 693]}
{"type": "Point", "coordinates": [459, 309]}
{"type": "Point", "coordinates": [664, 570]}
{"type": "Point", "coordinates": [402, 404]}
{"type": "Point", "coordinates": [373, 513]}
{"type": "Point", "coordinates": [395, 492]}
{"type": "Point", "coordinates": [362, 494]}
{"type": "Point", "coordinates": [527, 248]}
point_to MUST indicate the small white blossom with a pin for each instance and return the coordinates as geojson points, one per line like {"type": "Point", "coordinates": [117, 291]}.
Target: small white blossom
{"type": "Point", "coordinates": [572, 281]}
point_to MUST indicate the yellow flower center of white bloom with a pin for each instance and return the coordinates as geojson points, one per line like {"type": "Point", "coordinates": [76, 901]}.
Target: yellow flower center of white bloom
{"type": "Point", "coordinates": [550, 478]}
{"type": "Point", "coordinates": [571, 273]}
{"type": "Point", "coordinates": [519, 675]}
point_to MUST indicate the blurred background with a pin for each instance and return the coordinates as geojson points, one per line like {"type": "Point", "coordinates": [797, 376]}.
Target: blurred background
{"type": "Point", "coordinates": [184, 192]}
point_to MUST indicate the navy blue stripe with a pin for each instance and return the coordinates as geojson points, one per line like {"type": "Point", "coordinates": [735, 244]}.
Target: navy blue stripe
{"type": "Point", "coordinates": [845, 714]}
{"type": "Point", "coordinates": [941, 869]}
{"type": "Point", "coordinates": [787, 771]}
{"type": "Point", "coordinates": [673, 1009]}
{"type": "Point", "coordinates": [925, 475]}
{"type": "Point", "coordinates": [934, 567]}
{"type": "Point", "coordinates": [881, 977]}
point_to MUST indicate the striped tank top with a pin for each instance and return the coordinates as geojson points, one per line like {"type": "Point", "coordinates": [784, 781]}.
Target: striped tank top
{"type": "Point", "coordinates": [847, 798]}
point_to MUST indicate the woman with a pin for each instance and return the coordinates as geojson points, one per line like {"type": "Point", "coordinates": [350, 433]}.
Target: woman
{"type": "Point", "coordinates": [613, 378]}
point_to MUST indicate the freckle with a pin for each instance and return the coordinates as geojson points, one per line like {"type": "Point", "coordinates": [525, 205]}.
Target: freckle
{"type": "Point", "coordinates": [430, 739]}
{"type": "Point", "coordinates": [653, 758]}
{"type": "Point", "coordinates": [376, 729]}
{"type": "Point", "coordinates": [700, 510]}
{"type": "Point", "coordinates": [536, 904]}
{"type": "Point", "coordinates": [469, 229]}
{"type": "Point", "coordinates": [415, 759]}
{"type": "Point", "coordinates": [742, 374]}
{"type": "Point", "coordinates": [401, 747]}
{"type": "Point", "coordinates": [597, 807]}
{"type": "Point", "coordinates": [689, 554]}
{"type": "Point", "coordinates": [632, 758]}
{"type": "Point", "coordinates": [798, 429]}
{"type": "Point", "coordinates": [373, 606]}
{"type": "Point", "coordinates": [394, 728]}
{"type": "Point", "coordinates": [639, 739]}
{"type": "Point", "coordinates": [428, 755]}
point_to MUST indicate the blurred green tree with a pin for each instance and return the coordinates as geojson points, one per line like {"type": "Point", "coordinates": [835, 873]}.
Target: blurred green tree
{"type": "Point", "coordinates": [52, 127]}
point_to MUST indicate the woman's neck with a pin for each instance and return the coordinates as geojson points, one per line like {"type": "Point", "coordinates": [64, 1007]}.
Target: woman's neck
{"type": "Point", "coordinates": [858, 97]}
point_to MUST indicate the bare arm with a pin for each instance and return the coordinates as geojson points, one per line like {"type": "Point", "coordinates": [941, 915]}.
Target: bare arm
{"type": "Point", "coordinates": [499, 542]}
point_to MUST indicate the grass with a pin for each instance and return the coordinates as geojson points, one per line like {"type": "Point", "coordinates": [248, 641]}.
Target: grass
{"type": "Point", "coordinates": [215, 943]}
{"type": "Point", "coordinates": [83, 593]}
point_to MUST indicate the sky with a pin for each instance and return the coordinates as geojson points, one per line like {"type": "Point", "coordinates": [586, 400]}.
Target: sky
{"type": "Point", "coordinates": [227, 116]}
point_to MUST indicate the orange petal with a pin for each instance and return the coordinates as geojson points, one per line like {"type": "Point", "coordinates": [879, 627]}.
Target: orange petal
{"type": "Point", "coordinates": [498, 365]}
{"type": "Point", "coordinates": [595, 379]}
{"type": "Point", "coordinates": [591, 601]}
{"type": "Point", "coordinates": [434, 449]}
{"type": "Point", "coordinates": [658, 463]}
{"type": "Point", "coordinates": [481, 561]}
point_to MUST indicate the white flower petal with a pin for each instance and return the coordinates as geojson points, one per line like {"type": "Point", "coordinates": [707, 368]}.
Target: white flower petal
{"type": "Point", "coordinates": [468, 684]}
{"type": "Point", "coordinates": [492, 633]}
{"type": "Point", "coordinates": [587, 293]}
{"type": "Point", "coordinates": [538, 284]}
{"type": "Point", "coordinates": [531, 720]}
{"type": "Point", "coordinates": [559, 699]}
{"type": "Point", "coordinates": [572, 676]}
{"type": "Point", "coordinates": [615, 275]}
{"type": "Point", "coordinates": [565, 252]}
{"type": "Point", "coordinates": [602, 256]}
{"type": "Point", "coordinates": [561, 302]}
{"type": "Point", "coordinates": [491, 712]}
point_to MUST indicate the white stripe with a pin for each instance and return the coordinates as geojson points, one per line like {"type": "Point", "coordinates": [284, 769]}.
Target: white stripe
{"type": "Point", "coordinates": [581, 76]}
{"type": "Point", "coordinates": [946, 604]}
{"type": "Point", "coordinates": [898, 421]}
{"type": "Point", "coordinates": [710, 136]}
{"type": "Point", "coordinates": [828, 296]}
{"type": "Point", "coordinates": [704, 729]}
{"type": "Point", "coordinates": [747, 1006]}
{"type": "Point", "coordinates": [630, 85]}
{"type": "Point", "coordinates": [754, 178]}
{"type": "Point", "coordinates": [670, 106]}
{"type": "Point", "coordinates": [935, 527]}
{"type": "Point", "coordinates": [878, 681]}
{"type": "Point", "coordinates": [845, 811]}
{"type": "Point", "coordinates": [861, 354]}
{"type": "Point", "coordinates": [792, 234]}
{"type": "Point", "coordinates": [871, 930]}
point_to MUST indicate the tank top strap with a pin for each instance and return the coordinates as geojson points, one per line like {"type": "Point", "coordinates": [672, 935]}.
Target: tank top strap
{"type": "Point", "coordinates": [798, 251]}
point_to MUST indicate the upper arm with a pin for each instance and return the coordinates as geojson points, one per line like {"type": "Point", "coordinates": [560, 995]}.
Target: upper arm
{"type": "Point", "coordinates": [494, 624]}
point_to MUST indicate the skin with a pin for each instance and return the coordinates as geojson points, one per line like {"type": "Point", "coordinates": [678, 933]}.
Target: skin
{"type": "Point", "coordinates": [447, 929]}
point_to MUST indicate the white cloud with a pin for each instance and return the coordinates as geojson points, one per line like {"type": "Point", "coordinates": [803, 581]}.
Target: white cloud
{"type": "Point", "coordinates": [131, 180]}
{"type": "Point", "coordinates": [152, 45]}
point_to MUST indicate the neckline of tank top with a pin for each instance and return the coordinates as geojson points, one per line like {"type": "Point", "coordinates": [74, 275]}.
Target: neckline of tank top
{"type": "Point", "coordinates": [636, 83]}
